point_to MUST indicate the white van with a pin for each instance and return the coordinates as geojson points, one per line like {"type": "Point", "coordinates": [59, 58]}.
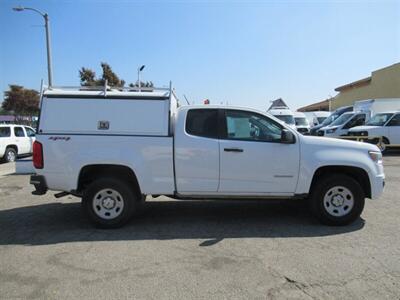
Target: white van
{"type": "Point", "coordinates": [363, 111]}
{"type": "Point", "coordinates": [341, 125]}
{"type": "Point", "coordinates": [385, 125]}
{"type": "Point", "coordinates": [285, 115]}
{"type": "Point", "coordinates": [374, 106]}
{"type": "Point", "coordinates": [302, 124]}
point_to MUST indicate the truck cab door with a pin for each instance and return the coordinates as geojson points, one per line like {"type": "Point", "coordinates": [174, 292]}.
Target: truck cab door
{"type": "Point", "coordinates": [394, 130]}
{"type": "Point", "coordinates": [197, 151]}
{"type": "Point", "coordinates": [254, 161]}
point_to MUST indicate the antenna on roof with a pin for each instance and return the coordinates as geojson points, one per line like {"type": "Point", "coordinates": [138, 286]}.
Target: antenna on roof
{"type": "Point", "coordinates": [187, 101]}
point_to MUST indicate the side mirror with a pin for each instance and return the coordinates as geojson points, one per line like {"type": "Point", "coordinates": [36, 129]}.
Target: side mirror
{"type": "Point", "coordinates": [287, 137]}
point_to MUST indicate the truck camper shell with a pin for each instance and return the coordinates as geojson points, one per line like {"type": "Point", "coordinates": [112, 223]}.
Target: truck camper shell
{"type": "Point", "coordinates": [107, 111]}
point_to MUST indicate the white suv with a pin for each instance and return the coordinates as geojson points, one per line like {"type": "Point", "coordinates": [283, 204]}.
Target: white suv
{"type": "Point", "coordinates": [15, 140]}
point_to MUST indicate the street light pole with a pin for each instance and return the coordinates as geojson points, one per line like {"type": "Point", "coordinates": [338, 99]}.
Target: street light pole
{"type": "Point", "coordinates": [140, 69]}
{"type": "Point", "coordinates": [46, 24]}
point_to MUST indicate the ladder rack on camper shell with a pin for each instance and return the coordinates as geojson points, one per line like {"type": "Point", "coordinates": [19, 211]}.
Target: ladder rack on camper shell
{"type": "Point", "coordinates": [107, 91]}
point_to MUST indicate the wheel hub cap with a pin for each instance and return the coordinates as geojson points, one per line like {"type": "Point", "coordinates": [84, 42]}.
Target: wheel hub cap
{"type": "Point", "coordinates": [11, 156]}
{"type": "Point", "coordinates": [338, 201]}
{"type": "Point", "coordinates": [108, 204]}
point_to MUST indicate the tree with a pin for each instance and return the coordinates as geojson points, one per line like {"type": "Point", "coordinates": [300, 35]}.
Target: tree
{"type": "Point", "coordinates": [88, 77]}
{"type": "Point", "coordinates": [110, 76]}
{"type": "Point", "coordinates": [21, 101]}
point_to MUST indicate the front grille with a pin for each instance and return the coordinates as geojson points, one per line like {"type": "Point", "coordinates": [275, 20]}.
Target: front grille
{"type": "Point", "coordinates": [358, 133]}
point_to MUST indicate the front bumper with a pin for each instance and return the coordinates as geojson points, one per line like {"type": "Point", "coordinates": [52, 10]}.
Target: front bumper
{"type": "Point", "coordinates": [377, 186]}
{"type": "Point", "coordinates": [40, 184]}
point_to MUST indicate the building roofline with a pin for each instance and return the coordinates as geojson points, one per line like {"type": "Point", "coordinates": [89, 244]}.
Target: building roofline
{"type": "Point", "coordinates": [360, 82]}
{"type": "Point", "coordinates": [323, 103]}
{"type": "Point", "coordinates": [363, 81]}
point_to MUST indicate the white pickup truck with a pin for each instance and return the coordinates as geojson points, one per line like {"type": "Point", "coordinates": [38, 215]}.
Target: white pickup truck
{"type": "Point", "coordinates": [113, 147]}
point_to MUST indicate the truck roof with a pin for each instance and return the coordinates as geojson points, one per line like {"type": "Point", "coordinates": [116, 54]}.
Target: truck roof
{"type": "Point", "coordinates": [216, 106]}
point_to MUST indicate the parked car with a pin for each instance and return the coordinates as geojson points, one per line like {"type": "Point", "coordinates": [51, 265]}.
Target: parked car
{"type": "Point", "coordinates": [124, 145]}
{"type": "Point", "coordinates": [15, 140]}
{"type": "Point", "coordinates": [284, 114]}
{"type": "Point", "coordinates": [301, 122]}
{"type": "Point", "coordinates": [341, 126]}
{"type": "Point", "coordinates": [332, 117]}
{"type": "Point", "coordinates": [385, 125]}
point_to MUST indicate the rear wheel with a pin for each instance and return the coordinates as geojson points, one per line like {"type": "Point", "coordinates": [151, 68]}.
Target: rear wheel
{"type": "Point", "coordinates": [109, 202]}
{"type": "Point", "coordinates": [337, 200]}
{"type": "Point", "coordinates": [10, 155]}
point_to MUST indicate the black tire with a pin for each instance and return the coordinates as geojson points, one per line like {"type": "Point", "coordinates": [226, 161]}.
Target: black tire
{"type": "Point", "coordinates": [10, 153]}
{"type": "Point", "coordinates": [383, 147]}
{"type": "Point", "coordinates": [320, 207]}
{"type": "Point", "coordinates": [125, 194]}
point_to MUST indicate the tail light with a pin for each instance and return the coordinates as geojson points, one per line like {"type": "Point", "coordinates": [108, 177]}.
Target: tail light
{"type": "Point", "coordinates": [37, 155]}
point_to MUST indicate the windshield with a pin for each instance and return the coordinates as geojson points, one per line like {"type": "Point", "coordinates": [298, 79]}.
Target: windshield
{"type": "Point", "coordinates": [301, 121]}
{"type": "Point", "coordinates": [321, 119]}
{"type": "Point", "coordinates": [288, 119]}
{"type": "Point", "coordinates": [330, 119]}
{"type": "Point", "coordinates": [342, 119]}
{"type": "Point", "coordinates": [379, 119]}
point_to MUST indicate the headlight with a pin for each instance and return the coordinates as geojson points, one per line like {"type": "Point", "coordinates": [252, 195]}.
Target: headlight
{"type": "Point", "coordinates": [375, 156]}
{"type": "Point", "coordinates": [331, 130]}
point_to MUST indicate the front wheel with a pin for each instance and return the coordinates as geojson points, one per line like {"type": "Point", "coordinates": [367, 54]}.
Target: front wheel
{"type": "Point", "coordinates": [382, 145]}
{"type": "Point", "coordinates": [337, 200]}
{"type": "Point", "coordinates": [109, 202]}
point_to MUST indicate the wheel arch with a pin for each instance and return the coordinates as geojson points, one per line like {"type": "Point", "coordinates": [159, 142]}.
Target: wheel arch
{"type": "Point", "coordinates": [89, 173]}
{"type": "Point", "coordinates": [13, 146]}
{"type": "Point", "coordinates": [358, 174]}
{"type": "Point", "coordinates": [386, 138]}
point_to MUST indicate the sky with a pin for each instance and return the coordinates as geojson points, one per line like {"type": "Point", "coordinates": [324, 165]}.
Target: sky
{"type": "Point", "coordinates": [244, 53]}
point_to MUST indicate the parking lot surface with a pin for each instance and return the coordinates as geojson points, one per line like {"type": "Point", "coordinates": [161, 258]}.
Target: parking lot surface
{"type": "Point", "coordinates": [197, 249]}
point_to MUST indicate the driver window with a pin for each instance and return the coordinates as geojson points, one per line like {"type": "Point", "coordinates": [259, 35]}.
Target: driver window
{"type": "Point", "coordinates": [395, 121]}
{"type": "Point", "coordinates": [356, 121]}
{"type": "Point", "coordinates": [250, 126]}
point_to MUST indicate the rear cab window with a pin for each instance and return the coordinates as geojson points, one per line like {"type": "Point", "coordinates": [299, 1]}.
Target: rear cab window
{"type": "Point", "coordinates": [202, 122]}
{"type": "Point", "coordinates": [5, 132]}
